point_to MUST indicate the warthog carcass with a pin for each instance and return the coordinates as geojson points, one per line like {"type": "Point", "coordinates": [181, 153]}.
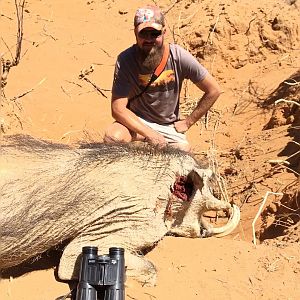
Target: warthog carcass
{"type": "Point", "coordinates": [99, 195]}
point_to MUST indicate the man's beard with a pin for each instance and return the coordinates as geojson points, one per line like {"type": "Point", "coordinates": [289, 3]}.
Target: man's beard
{"type": "Point", "coordinates": [151, 59]}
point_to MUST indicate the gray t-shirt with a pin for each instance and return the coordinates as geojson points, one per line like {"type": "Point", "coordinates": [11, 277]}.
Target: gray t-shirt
{"type": "Point", "coordinates": [160, 102]}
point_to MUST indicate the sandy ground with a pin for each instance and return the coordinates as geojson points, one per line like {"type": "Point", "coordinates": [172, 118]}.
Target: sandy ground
{"type": "Point", "coordinates": [250, 47]}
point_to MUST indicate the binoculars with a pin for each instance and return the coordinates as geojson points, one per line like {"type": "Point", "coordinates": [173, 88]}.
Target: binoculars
{"type": "Point", "coordinates": [101, 277]}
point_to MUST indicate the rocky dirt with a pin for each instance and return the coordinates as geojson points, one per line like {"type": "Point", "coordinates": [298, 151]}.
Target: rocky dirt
{"type": "Point", "coordinates": [59, 90]}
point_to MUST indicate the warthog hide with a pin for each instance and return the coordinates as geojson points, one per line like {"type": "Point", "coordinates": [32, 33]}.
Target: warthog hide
{"type": "Point", "coordinates": [99, 195]}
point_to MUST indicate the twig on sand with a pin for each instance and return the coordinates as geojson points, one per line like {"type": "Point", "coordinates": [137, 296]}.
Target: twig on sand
{"type": "Point", "coordinates": [62, 88]}
{"type": "Point", "coordinates": [292, 83]}
{"type": "Point", "coordinates": [259, 212]}
{"type": "Point", "coordinates": [131, 297]}
{"type": "Point", "coordinates": [248, 29]}
{"type": "Point", "coordinates": [27, 92]}
{"type": "Point", "coordinates": [83, 75]}
{"type": "Point", "coordinates": [105, 52]}
{"type": "Point", "coordinates": [48, 34]}
{"type": "Point", "coordinates": [278, 162]}
{"type": "Point", "coordinates": [171, 6]}
{"type": "Point", "coordinates": [285, 163]}
{"type": "Point", "coordinates": [1, 79]}
{"type": "Point", "coordinates": [151, 296]}
{"type": "Point", "coordinates": [2, 15]}
{"type": "Point", "coordinates": [68, 133]}
{"type": "Point", "coordinates": [8, 49]}
{"type": "Point", "coordinates": [211, 32]}
{"type": "Point", "coordinates": [95, 86]}
{"type": "Point", "coordinates": [18, 119]}
{"type": "Point", "coordinates": [298, 174]}
{"type": "Point", "coordinates": [287, 101]}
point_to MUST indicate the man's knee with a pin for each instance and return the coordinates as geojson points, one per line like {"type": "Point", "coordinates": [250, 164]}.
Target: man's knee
{"type": "Point", "coordinates": [117, 133]}
{"type": "Point", "coordinates": [109, 139]}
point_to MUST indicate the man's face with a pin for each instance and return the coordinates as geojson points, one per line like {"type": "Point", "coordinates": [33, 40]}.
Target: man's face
{"type": "Point", "coordinates": [148, 38]}
{"type": "Point", "coordinates": [150, 47]}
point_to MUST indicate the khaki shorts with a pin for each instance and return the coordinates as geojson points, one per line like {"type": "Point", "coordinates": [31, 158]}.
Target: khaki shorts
{"type": "Point", "coordinates": [168, 131]}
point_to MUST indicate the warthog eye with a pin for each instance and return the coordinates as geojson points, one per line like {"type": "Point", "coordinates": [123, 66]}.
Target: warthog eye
{"type": "Point", "coordinates": [183, 188]}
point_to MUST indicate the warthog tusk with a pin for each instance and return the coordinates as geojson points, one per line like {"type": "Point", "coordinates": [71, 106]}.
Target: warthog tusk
{"type": "Point", "coordinates": [231, 224]}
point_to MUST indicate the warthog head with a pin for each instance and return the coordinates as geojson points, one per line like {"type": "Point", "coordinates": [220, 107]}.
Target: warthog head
{"type": "Point", "coordinates": [191, 196]}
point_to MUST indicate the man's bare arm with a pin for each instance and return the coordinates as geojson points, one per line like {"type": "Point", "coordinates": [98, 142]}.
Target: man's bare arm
{"type": "Point", "coordinates": [212, 91]}
{"type": "Point", "coordinates": [123, 115]}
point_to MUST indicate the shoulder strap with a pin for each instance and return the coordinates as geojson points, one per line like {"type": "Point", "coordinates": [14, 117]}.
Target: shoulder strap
{"type": "Point", "coordinates": [162, 64]}
{"type": "Point", "coordinates": [157, 71]}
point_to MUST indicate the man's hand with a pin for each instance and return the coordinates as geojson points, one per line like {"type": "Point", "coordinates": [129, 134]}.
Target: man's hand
{"type": "Point", "coordinates": [211, 91]}
{"type": "Point", "coordinates": [156, 139]}
{"type": "Point", "coordinates": [181, 126]}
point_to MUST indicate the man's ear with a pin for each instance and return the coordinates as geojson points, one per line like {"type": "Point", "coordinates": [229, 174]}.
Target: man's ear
{"type": "Point", "coordinates": [135, 34]}
{"type": "Point", "coordinates": [164, 31]}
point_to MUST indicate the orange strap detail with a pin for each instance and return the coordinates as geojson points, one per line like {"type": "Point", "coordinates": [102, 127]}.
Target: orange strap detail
{"type": "Point", "coordinates": [164, 60]}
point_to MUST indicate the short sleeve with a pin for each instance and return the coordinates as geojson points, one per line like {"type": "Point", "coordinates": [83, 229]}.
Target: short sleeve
{"type": "Point", "coordinates": [121, 84]}
{"type": "Point", "coordinates": [190, 66]}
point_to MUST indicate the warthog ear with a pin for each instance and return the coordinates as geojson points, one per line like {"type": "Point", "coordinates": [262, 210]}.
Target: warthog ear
{"type": "Point", "coordinates": [184, 187]}
{"type": "Point", "coordinates": [197, 180]}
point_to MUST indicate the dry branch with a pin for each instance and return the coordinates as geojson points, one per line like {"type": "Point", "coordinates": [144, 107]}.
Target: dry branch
{"type": "Point", "coordinates": [259, 212]}
{"type": "Point", "coordinates": [20, 11]}
{"type": "Point", "coordinates": [95, 86]}
{"type": "Point", "coordinates": [249, 26]}
{"type": "Point", "coordinates": [278, 161]}
{"type": "Point", "coordinates": [213, 162]}
{"type": "Point", "coordinates": [68, 134]}
{"type": "Point", "coordinates": [287, 101]}
{"type": "Point", "coordinates": [6, 65]}
{"type": "Point", "coordinates": [171, 6]}
{"type": "Point", "coordinates": [292, 83]}
{"type": "Point", "coordinates": [83, 75]}
{"type": "Point", "coordinates": [211, 32]}
{"type": "Point", "coordinates": [27, 92]}
{"type": "Point", "coordinates": [1, 95]}
{"type": "Point", "coordinates": [1, 79]}
{"type": "Point", "coordinates": [295, 172]}
{"type": "Point", "coordinates": [8, 49]}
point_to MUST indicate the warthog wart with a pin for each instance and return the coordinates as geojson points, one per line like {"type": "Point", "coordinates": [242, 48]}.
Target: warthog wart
{"type": "Point", "coordinates": [100, 195]}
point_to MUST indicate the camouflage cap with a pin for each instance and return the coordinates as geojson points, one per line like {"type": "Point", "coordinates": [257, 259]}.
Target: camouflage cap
{"type": "Point", "coordinates": [149, 16]}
